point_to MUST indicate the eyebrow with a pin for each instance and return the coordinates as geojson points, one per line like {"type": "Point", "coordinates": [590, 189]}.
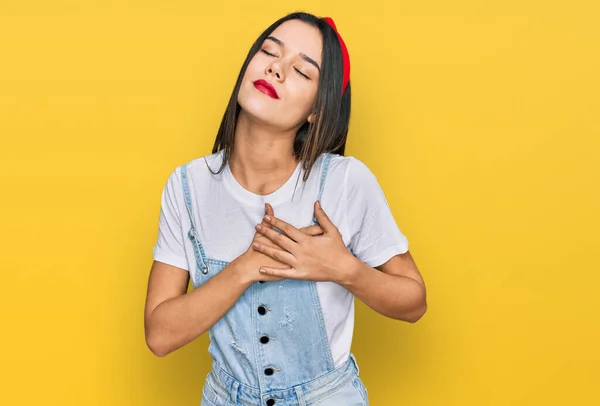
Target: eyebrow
{"type": "Point", "coordinates": [304, 56]}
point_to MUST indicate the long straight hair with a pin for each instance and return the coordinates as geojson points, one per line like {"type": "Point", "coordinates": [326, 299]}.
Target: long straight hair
{"type": "Point", "coordinates": [328, 132]}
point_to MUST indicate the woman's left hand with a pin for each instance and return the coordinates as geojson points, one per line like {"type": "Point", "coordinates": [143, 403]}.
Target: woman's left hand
{"type": "Point", "coordinates": [316, 258]}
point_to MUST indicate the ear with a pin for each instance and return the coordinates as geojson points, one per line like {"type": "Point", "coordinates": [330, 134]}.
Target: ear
{"type": "Point", "coordinates": [311, 118]}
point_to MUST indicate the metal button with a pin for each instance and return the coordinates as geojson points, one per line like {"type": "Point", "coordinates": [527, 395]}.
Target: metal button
{"type": "Point", "coordinates": [270, 402]}
{"type": "Point", "coordinates": [262, 310]}
{"type": "Point", "coordinates": [269, 371]}
{"type": "Point", "coordinates": [264, 339]}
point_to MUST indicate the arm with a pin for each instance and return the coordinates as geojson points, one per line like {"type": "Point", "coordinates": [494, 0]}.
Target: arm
{"type": "Point", "coordinates": [379, 270]}
{"type": "Point", "coordinates": [382, 272]}
{"type": "Point", "coordinates": [394, 289]}
{"type": "Point", "coordinates": [173, 318]}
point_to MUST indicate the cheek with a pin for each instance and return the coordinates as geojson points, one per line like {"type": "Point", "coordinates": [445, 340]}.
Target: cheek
{"type": "Point", "coordinates": [249, 76]}
{"type": "Point", "coordinates": [305, 99]}
{"type": "Point", "coordinates": [254, 69]}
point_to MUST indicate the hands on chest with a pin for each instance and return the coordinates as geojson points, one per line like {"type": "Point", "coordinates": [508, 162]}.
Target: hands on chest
{"type": "Point", "coordinates": [315, 252]}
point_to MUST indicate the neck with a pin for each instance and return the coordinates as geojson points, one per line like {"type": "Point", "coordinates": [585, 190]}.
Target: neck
{"type": "Point", "coordinates": [262, 158]}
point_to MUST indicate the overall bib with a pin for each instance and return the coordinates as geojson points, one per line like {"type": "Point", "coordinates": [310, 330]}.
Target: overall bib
{"type": "Point", "coordinates": [271, 347]}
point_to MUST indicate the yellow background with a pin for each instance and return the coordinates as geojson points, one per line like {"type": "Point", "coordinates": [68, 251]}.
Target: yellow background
{"type": "Point", "coordinates": [480, 119]}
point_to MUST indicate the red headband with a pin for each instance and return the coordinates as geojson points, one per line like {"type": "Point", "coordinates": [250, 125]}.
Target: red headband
{"type": "Point", "coordinates": [345, 56]}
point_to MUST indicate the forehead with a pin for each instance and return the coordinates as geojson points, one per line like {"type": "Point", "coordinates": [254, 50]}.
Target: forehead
{"type": "Point", "coordinates": [300, 37]}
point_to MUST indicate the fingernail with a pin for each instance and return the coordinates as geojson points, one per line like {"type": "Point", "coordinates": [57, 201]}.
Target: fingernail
{"type": "Point", "coordinates": [255, 245]}
{"type": "Point", "coordinates": [266, 208]}
{"type": "Point", "coordinates": [258, 226]}
{"type": "Point", "coordinates": [318, 204]}
{"type": "Point", "coordinates": [262, 270]}
{"type": "Point", "coordinates": [267, 218]}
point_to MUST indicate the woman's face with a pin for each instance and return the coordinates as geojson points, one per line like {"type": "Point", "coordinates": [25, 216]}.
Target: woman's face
{"type": "Point", "coordinates": [280, 85]}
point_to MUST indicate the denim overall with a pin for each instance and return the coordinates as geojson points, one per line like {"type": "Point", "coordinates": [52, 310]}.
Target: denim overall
{"type": "Point", "coordinates": [271, 347]}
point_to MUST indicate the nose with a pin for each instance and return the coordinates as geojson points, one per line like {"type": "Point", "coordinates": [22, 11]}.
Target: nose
{"type": "Point", "coordinates": [275, 70]}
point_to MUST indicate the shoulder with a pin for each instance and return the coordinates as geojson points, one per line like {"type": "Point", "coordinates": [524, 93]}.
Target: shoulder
{"type": "Point", "coordinates": [205, 165]}
{"type": "Point", "coordinates": [353, 170]}
{"type": "Point", "coordinates": [200, 167]}
{"type": "Point", "coordinates": [197, 170]}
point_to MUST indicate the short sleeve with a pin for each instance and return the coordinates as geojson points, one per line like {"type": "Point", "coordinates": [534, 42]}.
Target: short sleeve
{"type": "Point", "coordinates": [374, 234]}
{"type": "Point", "coordinates": [169, 247]}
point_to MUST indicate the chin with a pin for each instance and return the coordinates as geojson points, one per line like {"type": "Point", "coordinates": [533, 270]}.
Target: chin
{"type": "Point", "coordinates": [259, 110]}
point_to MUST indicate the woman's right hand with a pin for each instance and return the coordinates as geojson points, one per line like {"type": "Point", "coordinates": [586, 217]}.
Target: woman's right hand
{"type": "Point", "coordinates": [251, 261]}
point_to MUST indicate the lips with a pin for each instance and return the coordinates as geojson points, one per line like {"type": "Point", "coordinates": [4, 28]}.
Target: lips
{"type": "Point", "coordinates": [266, 88]}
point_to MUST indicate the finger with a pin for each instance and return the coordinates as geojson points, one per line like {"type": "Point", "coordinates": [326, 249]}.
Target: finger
{"type": "Point", "coordinates": [289, 273]}
{"type": "Point", "coordinates": [287, 228]}
{"type": "Point", "coordinates": [269, 278]}
{"type": "Point", "coordinates": [268, 212]}
{"type": "Point", "coordinates": [323, 219]}
{"type": "Point", "coordinates": [312, 230]}
{"type": "Point", "coordinates": [281, 240]}
{"type": "Point", "coordinates": [277, 254]}
{"type": "Point", "coordinates": [261, 239]}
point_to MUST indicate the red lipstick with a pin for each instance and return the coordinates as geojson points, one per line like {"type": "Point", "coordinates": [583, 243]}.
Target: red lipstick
{"type": "Point", "coordinates": [266, 88]}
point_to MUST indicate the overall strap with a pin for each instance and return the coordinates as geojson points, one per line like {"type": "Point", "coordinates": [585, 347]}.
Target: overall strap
{"type": "Point", "coordinates": [324, 170]}
{"type": "Point", "coordinates": [192, 233]}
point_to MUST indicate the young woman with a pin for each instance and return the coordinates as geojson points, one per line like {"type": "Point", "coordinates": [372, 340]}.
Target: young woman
{"type": "Point", "coordinates": [278, 232]}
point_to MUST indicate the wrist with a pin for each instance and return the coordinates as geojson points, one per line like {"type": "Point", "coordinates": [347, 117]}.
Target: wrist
{"type": "Point", "coordinates": [349, 270]}
{"type": "Point", "coordinates": [239, 269]}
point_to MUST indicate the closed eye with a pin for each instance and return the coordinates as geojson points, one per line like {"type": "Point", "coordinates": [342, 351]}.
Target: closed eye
{"type": "Point", "coordinates": [302, 74]}
{"type": "Point", "coordinates": [268, 53]}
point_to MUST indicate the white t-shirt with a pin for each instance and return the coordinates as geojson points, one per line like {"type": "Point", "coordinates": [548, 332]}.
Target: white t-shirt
{"type": "Point", "coordinates": [225, 214]}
